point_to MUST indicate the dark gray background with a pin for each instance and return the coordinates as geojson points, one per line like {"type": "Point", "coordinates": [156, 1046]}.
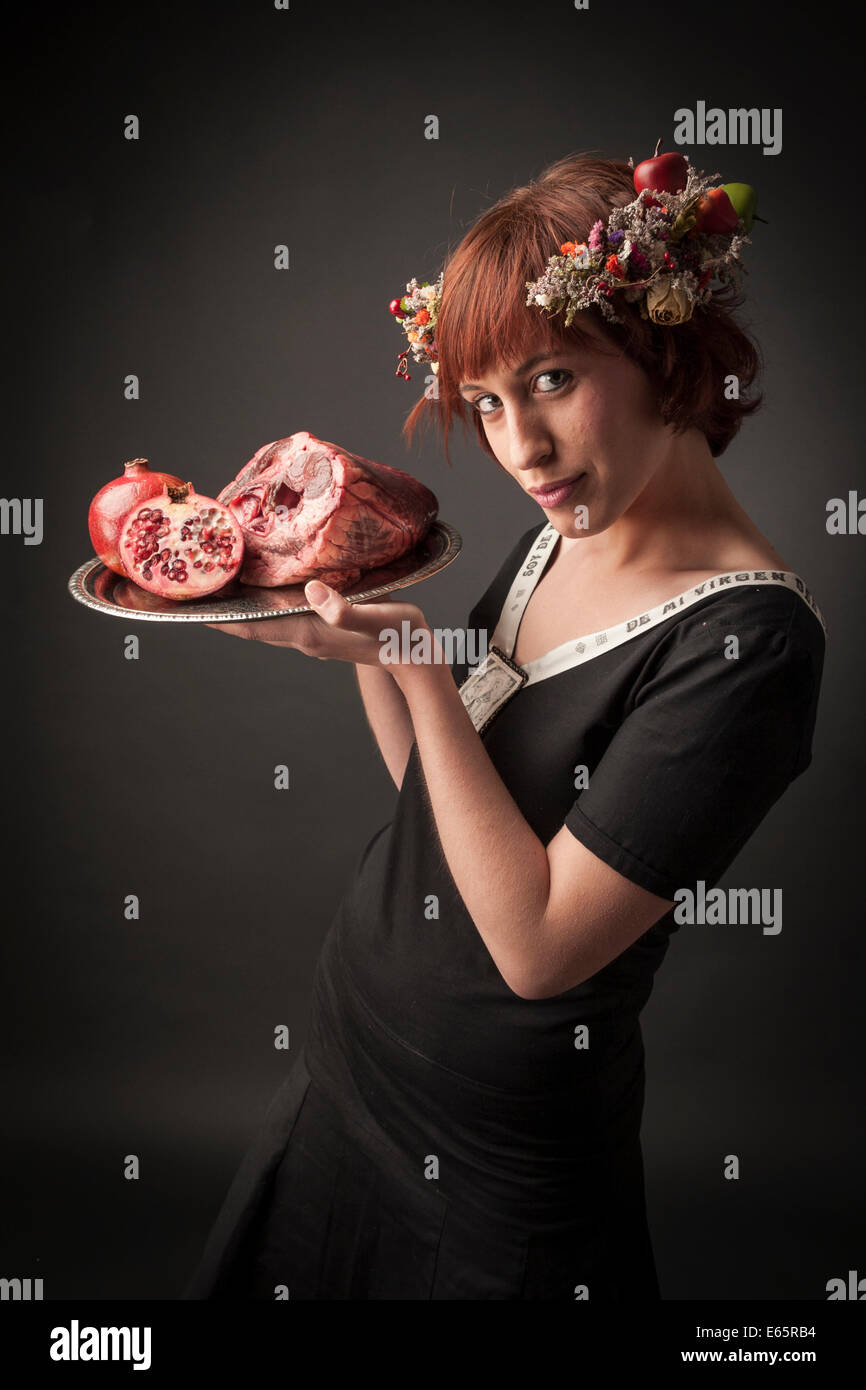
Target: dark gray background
{"type": "Point", "coordinates": [156, 777]}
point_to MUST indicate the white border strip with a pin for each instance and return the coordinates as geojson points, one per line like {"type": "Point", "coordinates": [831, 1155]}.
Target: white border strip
{"type": "Point", "coordinates": [581, 649]}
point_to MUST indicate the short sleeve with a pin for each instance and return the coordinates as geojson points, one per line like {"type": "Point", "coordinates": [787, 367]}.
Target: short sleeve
{"type": "Point", "coordinates": [709, 744]}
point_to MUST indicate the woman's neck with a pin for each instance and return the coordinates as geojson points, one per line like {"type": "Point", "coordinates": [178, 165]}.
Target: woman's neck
{"type": "Point", "coordinates": [684, 519]}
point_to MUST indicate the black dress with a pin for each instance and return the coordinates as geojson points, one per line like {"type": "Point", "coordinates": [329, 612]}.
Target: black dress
{"type": "Point", "coordinates": [439, 1137]}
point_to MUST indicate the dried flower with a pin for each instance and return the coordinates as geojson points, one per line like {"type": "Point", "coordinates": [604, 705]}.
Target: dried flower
{"type": "Point", "coordinates": [650, 238]}
{"type": "Point", "coordinates": [421, 303]}
{"type": "Point", "coordinates": [667, 302]}
{"type": "Point", "coordinates": [661, 261]}
{"type": "Point", "coordinates": [595, 240]}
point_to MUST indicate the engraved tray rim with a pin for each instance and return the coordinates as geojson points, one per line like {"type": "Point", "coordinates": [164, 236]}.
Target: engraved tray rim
{"type": "Point", "coordinates": [238, 608]}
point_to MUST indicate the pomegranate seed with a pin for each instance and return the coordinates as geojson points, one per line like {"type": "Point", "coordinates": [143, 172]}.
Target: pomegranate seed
{"type": "Point", "coordinates": [163, 569]}
{"type": "Point", "coordinates": [197, 565]}
{"type": "Point", "coordinates": [208, 567]}
{"type": "Point", "coordinates": [146, 574]}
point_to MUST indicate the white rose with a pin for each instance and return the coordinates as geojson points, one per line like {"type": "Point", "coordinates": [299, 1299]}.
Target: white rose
{"type": "Point", "coordinates": [666, 303]}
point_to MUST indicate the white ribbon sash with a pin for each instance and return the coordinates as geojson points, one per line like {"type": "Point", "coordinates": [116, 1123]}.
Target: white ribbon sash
{"type": "Point", "coordinates": [498, 677]}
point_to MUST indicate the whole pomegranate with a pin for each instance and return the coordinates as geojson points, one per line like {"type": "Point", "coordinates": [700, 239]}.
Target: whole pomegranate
{"type": "Point", "coordinates": [181, 545]}
{"type": "Point", "coordinates": [112, 502]}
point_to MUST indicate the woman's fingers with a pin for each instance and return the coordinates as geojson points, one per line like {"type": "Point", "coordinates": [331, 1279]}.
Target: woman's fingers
{"type": "Point", "coordinates": [234, 629]}
{"type": "Point", "coordinates": [307, 633]}
{"type": "Point", "coordinates": [295, 630]}
{"type": "Point", "coordinates": [336, 629]}
{"type": "Point", "coordinates": [277, 632]}
{"type": "Point", "coordinates": [369, 618]}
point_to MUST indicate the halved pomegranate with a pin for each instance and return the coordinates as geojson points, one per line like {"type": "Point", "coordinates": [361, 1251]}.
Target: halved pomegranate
{"type": "Point", "coordinates": [112, 503]}
{"type": "Point", "coordinates": [181, 545]}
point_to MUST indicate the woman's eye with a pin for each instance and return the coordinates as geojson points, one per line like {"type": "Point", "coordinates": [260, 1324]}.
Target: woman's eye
{"type": "Point", "coordinates": [554, 371]}
{"type": "Point", "coordinates": [560, 372]}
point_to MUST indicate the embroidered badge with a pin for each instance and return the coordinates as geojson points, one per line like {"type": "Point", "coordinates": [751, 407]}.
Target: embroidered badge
{"type": "Point", "coordinates": [491, 686]}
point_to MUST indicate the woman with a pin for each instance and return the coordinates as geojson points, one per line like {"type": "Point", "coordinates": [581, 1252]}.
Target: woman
{"type": "Point", "coordinates": [464, 1121]}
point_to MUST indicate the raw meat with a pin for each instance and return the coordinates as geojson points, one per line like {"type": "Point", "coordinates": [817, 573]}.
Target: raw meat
{"type": "Point", "coordinates": [311, 510]}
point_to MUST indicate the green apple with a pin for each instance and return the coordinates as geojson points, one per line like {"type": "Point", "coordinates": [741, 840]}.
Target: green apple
{"type": "Point", "coordinates": [744, 199]}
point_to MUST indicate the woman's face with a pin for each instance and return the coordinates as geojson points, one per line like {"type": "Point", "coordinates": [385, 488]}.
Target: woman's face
{"type": "Point", "coordinates": [581, 415]}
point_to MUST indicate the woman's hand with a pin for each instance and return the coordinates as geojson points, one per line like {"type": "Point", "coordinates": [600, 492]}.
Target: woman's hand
{"type": "Point", "coordinates": [337, 630]}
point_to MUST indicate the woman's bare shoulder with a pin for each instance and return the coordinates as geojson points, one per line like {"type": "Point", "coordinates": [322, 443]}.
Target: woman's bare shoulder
{"type": "Point", "coordinates": [737, 554]}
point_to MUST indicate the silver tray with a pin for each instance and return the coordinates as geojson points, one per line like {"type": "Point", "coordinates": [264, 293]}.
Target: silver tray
{"type": "Point", "coordinates": [96, 586]}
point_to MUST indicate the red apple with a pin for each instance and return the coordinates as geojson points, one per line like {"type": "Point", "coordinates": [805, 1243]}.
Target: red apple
{"type": "Point", "coordinates": [716, 213]}
{"type": "Point", "coordinates": [664, 173]}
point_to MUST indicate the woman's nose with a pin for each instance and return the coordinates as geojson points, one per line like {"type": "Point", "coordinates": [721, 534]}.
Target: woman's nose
{"type": "Point", "coordinates": [528, 441]}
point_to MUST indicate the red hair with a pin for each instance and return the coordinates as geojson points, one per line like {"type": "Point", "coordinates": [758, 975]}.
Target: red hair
{"type": "Point", "coordinates": [484, 316]}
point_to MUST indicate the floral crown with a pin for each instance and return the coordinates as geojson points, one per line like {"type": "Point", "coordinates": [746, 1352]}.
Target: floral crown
{"type": "Point", "coordinates": [661, 253]}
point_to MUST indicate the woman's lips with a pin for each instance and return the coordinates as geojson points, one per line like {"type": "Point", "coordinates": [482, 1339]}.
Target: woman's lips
{"type": "Point", "coordinates": [555, 496]}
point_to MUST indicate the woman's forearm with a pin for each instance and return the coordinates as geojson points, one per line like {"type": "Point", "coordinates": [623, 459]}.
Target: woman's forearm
{"type": "Point", "coordinates": [497, 861]}
{"type": "Point", "coordinates": [388, 717]}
